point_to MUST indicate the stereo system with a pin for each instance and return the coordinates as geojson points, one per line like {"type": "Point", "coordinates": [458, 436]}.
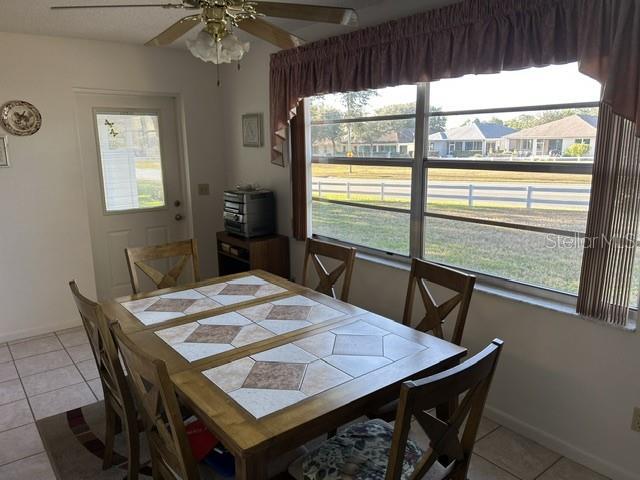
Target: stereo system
{"type": "Point", "coordinates": [249, 213]}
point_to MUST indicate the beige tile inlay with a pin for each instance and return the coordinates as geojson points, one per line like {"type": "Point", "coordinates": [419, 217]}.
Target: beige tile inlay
{"type": "Point", "coordinates": [356, 365]}
{"type": "Point", "coordinates": [516, 454]}
{"type": "Point", "coordinates": [201, 305]}
{"type": "Point", "coordinates": [11, 391]}
{"type": "Point", "coordinates": [51, 380]}
{"type": "Point", "coordinates": [263, 402]}
{"type": "Point", "coordinates": [565, 469]}
{"type": "Point", "coordinates": [42, 363]}
{"type": "Point", "coordinates": [88, 369]}
{"type": "Point", "coordinates": [320, 345]}
{"type": "Point", "coordinates": [177, 334]}
{"type": "Point", "coordinates": [35, 347]}
{"type": "Point", "coordinates": [36, 467]}
{"type": "Point", "coordinates": [231, 376]}
{"type": "Point", "coordinates": [79, 353]}
{"type": "Point", "coordinates": [62, 400]}
{"type": "Point", "coordinates": [320, 377]}
{"type": "Point", "coordinates": [480, 469]}
{"type": "Point", "coordinates": [19, 443]}
{"type": "Point", "coordinates": [251, 334]}
{"type": "Point", "coordinates": [15, 414]}
{"type": "Point", "coordinates": [358, 345]}
{"type": "Point", "coordinates": [7, 371]}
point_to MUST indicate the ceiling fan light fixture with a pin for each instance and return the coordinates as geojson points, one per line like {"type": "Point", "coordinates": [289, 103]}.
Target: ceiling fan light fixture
{"type": "Point", "coordinates": [226, 50]}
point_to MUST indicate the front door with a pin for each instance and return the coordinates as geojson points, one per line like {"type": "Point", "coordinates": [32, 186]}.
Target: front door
{"type": "Point", "coordinates": [133, 180]}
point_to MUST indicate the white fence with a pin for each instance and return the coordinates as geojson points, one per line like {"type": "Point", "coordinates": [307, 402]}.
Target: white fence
{"type": "Point", "coordinates": [519, 195]}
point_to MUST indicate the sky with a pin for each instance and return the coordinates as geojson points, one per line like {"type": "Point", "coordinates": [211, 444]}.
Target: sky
{"type": "Point", "coordinates": [535, 86]}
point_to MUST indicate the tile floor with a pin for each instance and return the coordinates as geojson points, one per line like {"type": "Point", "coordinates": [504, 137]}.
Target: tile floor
{"type": "Point", "coordinates": [53, 373]}
{"type": "Point", "coordinates": [39, 377]}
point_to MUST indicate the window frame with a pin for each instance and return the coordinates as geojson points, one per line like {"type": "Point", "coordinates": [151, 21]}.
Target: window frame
{"type": "Point", "coordinates": [421, 164]}
{"type": "Point", "coordinates": [129, 111]}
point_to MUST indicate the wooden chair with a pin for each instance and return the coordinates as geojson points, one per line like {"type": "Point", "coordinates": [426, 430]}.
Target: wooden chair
{"type": "Point", "coordinates": [153, 390]}
{"type": "Point", "coordinates": [436, 314]}
{"type": "Point", "coordinates": [137, 256]}
{"type": "Point", "coordinates": [118, 402]}
{"type": "Point", "coordinates": [361, 447]}
{"type": "Point", "coordinates": [346, 255]}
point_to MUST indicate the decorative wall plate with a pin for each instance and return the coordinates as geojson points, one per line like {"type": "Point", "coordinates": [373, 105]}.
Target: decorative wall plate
{"type": "Point", "coordinates": [20, 118]}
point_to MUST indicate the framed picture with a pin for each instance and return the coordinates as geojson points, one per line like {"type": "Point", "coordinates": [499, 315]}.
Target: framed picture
{"type": "Point", "coordinates": [252, 130]}
{"type": "Point", "coordinates": [4, 154]}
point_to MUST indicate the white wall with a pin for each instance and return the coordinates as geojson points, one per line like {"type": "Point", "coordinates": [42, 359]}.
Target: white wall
{"type": "Point", "coordinates": [566, 382]}
{"type": "Point", "coordinates": [44, 238]}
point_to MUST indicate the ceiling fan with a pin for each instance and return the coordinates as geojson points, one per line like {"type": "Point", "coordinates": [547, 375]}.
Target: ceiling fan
{"type": "Point", "coordinates": [216, 42]}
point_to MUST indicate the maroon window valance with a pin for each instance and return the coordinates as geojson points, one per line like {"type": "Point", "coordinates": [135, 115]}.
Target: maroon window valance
{"type": "Point", "coordinates": [472, 37]}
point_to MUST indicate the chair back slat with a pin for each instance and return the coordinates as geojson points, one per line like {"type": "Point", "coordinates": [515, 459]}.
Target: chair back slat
{"type": "Point", "coordinates": [114, 383]}
{"type": "Point", "coordinates": [138, 256]}
{"type": "Point", "coordinates": [160, 412]}
{"type": "Point", "coordinates": [436, 313]}
{"type": "Point", "coordinates": [448, 445]}
{"type": "Point", "coordinates": [314, 249]}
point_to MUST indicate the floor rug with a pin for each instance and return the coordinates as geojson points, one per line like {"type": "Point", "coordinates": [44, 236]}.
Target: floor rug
{"type": "Point", "coordinates": [74, 441]}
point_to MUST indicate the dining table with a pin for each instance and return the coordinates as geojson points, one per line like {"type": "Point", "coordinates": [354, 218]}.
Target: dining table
{"type": "Point", "coordinates": [269, 365]}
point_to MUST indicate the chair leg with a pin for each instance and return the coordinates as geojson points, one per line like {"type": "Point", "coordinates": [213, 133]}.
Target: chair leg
{"type": "Point", "coordinates": [155, 465]}
{"type": "Point", "coordinates": [133, 443]}
{"type": "Point", "coordinates": [109, 436]}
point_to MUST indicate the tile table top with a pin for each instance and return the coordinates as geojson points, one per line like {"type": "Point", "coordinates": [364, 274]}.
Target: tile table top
{"type": "Point", "coordinates": [263, 361]}
{"type": "Point", "coordinates": [271, 380]}
{"type": "Point", "coordinates": [169, 306]}
{"type": "Point", "coordinates": [219, 333]}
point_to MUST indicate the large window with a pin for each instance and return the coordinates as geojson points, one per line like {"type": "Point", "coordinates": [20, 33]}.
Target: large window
{"type": "Point", "coordinates": [489, 173]}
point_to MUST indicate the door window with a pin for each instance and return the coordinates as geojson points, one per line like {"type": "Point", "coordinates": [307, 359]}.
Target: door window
{"type": "Point", "coordinates": [131, 161]}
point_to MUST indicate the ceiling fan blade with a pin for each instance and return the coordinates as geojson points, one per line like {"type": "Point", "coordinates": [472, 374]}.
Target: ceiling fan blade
{"type": "Point", "coordinates": [175, 31]}
{"type": "Point", "coordinates": [312, 13]}
{"type": "Point", "coordinates": [135, 5]}
{"type": "Point", "coordinates": [270, 33]}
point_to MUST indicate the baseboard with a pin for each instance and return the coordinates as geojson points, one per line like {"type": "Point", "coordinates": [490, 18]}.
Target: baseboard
{"type": "Point", "coordinates": [559, 445]}
{"type": "Point", "coordinates": [32, 332]}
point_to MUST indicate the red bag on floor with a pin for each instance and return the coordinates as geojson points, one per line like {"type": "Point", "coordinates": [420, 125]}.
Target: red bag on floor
{"type": "Point", "coordinates": [201, 440]}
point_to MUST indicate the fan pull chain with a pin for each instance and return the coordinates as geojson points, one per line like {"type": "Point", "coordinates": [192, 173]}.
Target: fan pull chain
{"type": "Point", "coordinates": [218, 62]}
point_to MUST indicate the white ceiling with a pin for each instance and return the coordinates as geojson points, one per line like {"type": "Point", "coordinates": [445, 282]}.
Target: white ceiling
{"type": "Point", "coordinates": [138, 25]}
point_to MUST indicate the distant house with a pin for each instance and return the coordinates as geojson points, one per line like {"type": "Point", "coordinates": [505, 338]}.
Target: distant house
{"type": "Point", "coordinates": [479, 138]}
{"type": "Point", "coordinates": [396, 143]}
{"type": "Point", "coordinates": [555, 137]}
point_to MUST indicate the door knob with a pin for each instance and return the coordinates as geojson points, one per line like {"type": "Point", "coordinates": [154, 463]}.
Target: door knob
{"type": "Point", "coordinates": [178, 217]}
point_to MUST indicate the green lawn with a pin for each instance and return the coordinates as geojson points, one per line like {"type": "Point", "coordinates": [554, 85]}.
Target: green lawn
{"type": "Point", "coordinates": [150, 194]}
{"type": "Point", "coordinates": [529, 257]}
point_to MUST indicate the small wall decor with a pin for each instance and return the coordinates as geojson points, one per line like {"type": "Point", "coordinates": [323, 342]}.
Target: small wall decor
{"type": "Point", "coordinates": [252, 130]}
{"type": "Point", "coordinates": [20, 118]}
{"type": "Point", "coordinates": [4, 154]}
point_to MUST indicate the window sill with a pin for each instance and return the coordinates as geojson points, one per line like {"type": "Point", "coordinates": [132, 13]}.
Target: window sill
{"type": "Point", "coordinates": [511, 295]}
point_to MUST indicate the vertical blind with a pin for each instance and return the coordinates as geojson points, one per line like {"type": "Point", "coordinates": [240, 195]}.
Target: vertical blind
{"type": "Point", "coordinates": [612, 222]}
